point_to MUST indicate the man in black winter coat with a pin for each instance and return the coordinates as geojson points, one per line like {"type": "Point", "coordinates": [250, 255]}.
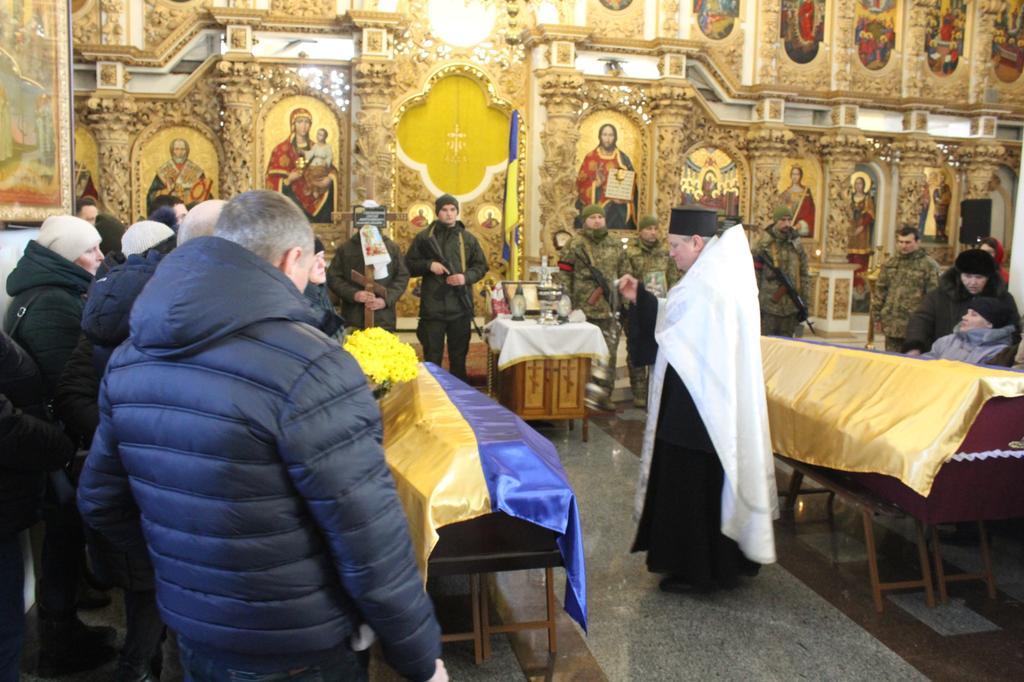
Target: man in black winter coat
{"type": "Point", "coordinates": [242, 447]}
{"type": "Point", "coordinates": [973, 274]}
{"type": "Point", "coordinates": [449, 259]}
{"type": "Point", "coordinates": [29, 447]}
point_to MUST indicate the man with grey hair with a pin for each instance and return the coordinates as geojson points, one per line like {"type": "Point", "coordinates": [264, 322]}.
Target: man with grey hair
{"type": "Point", "coordinates": [244, 448]}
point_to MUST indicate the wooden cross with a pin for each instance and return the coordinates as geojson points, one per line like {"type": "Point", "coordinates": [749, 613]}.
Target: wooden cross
{"type": "Point", "coordinates": [366, 281]}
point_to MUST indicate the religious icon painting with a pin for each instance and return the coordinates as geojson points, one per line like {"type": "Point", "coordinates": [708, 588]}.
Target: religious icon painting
{"type": "Point", "coordinates": [944, 36]}
{"type": "Point", "coordinates": [489, 216]}
{"type": "Point", "coordinates": [609, 153]}
{"type": "Point", "coordinates": [1008, 41]}
{"type": "Point", "coordinates": [616, 5]}
{"type": "Point", "coordinates": [716, 17]}
{"type": "Point", "coordinates": [301, 154]}
{"type": "Point", "coordinates": [36, 169]}
{"type": "Point", "coordinates": [711, 178]}
{"type": "Point", "coordinates": [799, 188]}
{"type": "Point", "coordinates": [863, 202]}
{"type": "Point", "coordinates": [421, 214]}
{"type": "Point", "coordinates": [802, 28]}
{"type": "Point", "coordinates": [934, 205]}
{"type": "Point", "coordinates": [87, 165]}
{"type": "Point", "coordinates": [875, 31]}
{"type": "Point", "coordinates": [177, 161]}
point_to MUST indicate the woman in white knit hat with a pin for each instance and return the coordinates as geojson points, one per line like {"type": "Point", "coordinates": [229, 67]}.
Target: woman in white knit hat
{"type": "Point", "coordinates": [48, 288]}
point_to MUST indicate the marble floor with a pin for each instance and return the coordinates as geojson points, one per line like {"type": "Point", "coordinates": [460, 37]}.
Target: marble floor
{"type": "Point", "coordinates": [810, 616]}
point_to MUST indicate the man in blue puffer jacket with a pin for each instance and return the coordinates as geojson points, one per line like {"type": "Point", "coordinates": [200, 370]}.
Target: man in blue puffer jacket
{"type": "Point", "coordinates": [243, 447]}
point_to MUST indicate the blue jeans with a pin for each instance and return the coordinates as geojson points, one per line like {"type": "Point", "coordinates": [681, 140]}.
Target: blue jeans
{"type": "Point", "coordinates": [343, 666]}
{"type": "Point", "coordinates": [12, 607]}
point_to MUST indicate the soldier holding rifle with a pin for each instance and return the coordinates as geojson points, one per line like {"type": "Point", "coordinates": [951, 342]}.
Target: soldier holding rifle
{"type": "Point", "coordinates": [780, 301]}
{"type": "Point", "coordinates": [588, 268]}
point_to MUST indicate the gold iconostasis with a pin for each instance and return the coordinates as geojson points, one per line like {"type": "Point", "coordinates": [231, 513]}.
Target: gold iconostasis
{"type": "Point", "coordinates": [637, 106]}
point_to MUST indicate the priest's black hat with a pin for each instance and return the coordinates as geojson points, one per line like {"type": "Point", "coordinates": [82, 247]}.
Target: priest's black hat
{"type": "Point", "coordinates": [687, 221]}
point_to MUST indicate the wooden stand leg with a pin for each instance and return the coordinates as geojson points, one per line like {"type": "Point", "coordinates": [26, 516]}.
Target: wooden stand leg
{"type": "Point", "coordinates": [485, 617]}
{"type": "Point", "coordinates": [549, 583]}
{"type": "Point", "coordinates": [572, 424]}
{"type": "Point", "coordinates": [986, 558]}
{"type": "Point", "coordinates": [474, 588]}
{"type": "Point", "coordinates": [796, 479]}
{"type": "Point", "coordinates": [940, 570]}
{"type": "Point", "coordinates": [922, 558]}
{"type": "Point", "coordinates": [586, 427]}
{"type": "Point", "coordinates": [869, 542]}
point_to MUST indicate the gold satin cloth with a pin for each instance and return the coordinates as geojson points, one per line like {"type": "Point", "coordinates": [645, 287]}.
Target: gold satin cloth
{"type": "Point", "coordinates": [432, 453]}
{"type": "Point", "coordinates": [860, 411]}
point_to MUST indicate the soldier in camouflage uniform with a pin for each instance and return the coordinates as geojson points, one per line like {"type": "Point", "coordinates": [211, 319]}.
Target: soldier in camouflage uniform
{"type": "Point", "coordinates": [902, 284]}
{"type": "Point", "coordinates": [649, 262]}
{"type": "Point", "coordinates": [781, 244]}
{"type": "Point", "coordinates": [594, 246]}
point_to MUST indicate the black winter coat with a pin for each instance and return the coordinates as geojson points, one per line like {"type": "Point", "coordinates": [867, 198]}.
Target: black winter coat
{"type": "Point", "coordinates": [244, 448]}
{"type": "Point", "coordinates": [29, 445]}
{"type": "Point", "coordinates": [53, 289]}
{"type": "Point", "coordinates": [942, 308]}
{"type": "Point", "coordinates": [438, 300]}
{"type": "Point", "coordinates": [348, 257]}
{"type": "Point", "coordinates": [105, 325]}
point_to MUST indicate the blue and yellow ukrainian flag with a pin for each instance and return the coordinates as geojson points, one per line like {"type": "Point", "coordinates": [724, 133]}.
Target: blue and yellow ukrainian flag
{"type": "Point", "coordinates": [513, 218]}
{"type": "Point", "coordinates": [456, 454]}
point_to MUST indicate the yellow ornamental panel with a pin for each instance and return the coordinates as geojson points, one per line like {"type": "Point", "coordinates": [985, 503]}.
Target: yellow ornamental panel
{"type": "Point", "coordinates": [455, 136]}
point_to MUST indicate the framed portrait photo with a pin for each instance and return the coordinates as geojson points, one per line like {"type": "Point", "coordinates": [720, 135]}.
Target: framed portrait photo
{"type": "Point", "coordinates": [36, 171]}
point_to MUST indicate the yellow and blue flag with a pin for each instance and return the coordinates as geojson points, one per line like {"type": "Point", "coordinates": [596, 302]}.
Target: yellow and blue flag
{"type": "Point", "coordinates": [513, 218]}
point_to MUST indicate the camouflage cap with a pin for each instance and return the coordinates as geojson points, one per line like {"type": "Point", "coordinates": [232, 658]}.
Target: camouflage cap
{"type": "Point", "coordinates": [781, 212]}
{"type": "Point", "coordinates": [590, 210]}
{"type": "Point", "coordinates": [648, 221]}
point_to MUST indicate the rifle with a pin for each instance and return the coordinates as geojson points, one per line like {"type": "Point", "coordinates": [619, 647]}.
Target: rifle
{"type": "Point", "coordinates": [462, 294]}
{"type": "Point", "coordinates": [801, 308]}
{"type": "Point", "coordinates": [603, 287]}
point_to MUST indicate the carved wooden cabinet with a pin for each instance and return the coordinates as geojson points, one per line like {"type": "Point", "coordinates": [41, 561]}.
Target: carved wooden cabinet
{"type": "Point", "coordinates": [545, 388]}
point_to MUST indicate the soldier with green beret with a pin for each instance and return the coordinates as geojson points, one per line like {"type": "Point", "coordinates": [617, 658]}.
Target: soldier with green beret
{"type": "Point", "coordinates": [780, 244]}
{"type": "Point", "coordinates": [594, 248]}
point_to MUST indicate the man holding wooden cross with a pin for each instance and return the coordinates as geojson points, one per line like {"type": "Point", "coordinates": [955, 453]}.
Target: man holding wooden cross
{"type": "Point", "coordinates": [368, 293]}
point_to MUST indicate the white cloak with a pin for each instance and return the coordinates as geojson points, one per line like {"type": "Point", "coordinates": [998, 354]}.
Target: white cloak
{"type": "Point", "coordinates": [710, 333]}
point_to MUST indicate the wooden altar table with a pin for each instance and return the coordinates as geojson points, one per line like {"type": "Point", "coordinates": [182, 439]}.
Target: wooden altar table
{"type": "Point", "coordinates": [541, 371]}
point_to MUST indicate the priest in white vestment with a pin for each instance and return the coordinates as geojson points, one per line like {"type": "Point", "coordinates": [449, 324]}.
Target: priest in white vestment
{"type": "Point", "coordinates": [706, 496]}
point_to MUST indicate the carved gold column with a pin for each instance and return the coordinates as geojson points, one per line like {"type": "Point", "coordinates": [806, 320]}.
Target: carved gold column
{"type": "Point", "coordinates": [113, 19]}
{"type": "Point", "coordinates": [239, 85]}
{"type": "Point", "coordinates": [842, 35]}
{"type": "Point", "coordinates": [373, 161]}
{"type": "Point", "coordinates": [767, 145]}
{"type": "Point", "coordinates": [671, 108]}
{"type": "Point", "coordinates": [917, 153]}
{"type": "Point", "coordinates": [984, 28]}
{"type": "Point", "coordinates": [842, 150]}
{"type": "Point", "coordinates": [113, 120]}
{"type": "Point", "coordinates": [560, 95]}
{"type": "Point", "coordinates": [914, 60]}
{"type": "Point", "coordinates": [769, 43]}
{"type": "Point", "coordinates": [980, 160]}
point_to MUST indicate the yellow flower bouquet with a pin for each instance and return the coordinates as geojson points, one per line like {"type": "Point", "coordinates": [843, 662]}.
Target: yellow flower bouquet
{"type": "Point", "coordinates": [383, 358]}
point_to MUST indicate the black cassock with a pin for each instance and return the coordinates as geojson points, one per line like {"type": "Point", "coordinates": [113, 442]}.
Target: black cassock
{"type": "Point", "coordinates": [680, 527]}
